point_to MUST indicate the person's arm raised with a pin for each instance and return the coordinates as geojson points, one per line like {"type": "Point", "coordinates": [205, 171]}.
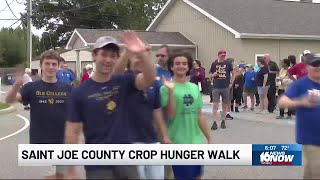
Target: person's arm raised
{"type": "Point", "coordinates": [13, 94]}
{"type": "Point", "coordinates": [137, 47]}
{"type": "Point", "coordinates": [170, 108]}
{"type": "Point", "coordinates": [122, 63]}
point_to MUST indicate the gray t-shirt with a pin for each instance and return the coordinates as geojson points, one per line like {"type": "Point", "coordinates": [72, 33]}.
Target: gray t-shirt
{"type": "Point", "coordinates": [223, 69]}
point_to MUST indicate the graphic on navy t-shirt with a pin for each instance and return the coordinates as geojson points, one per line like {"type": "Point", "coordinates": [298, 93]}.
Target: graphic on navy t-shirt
{"type": "Point", "coordinates": [48, 104]}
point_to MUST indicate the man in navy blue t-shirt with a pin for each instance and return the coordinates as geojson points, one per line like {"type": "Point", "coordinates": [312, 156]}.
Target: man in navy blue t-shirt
{"type": "Point", "coordinates": [48, 101]}
{"type": "Point", "coordinates": [146, 117]}
{"type": "Point", "coordinates": [99, 104]}
{"type": "Point", "coordinates": [221, 71]}
{"type": "Point", "coordinates": [304, 95]}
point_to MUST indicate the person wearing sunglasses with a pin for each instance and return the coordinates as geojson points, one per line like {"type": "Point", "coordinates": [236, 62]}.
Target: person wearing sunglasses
{"type": "Point", "coordinates": [304, 95]}
{"type": "Point", "coordinates": [162, 56]}
{"type": "Point", "coordinates": [87, 74]}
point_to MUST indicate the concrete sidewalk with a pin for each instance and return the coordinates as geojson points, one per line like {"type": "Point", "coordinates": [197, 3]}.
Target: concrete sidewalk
{"type": "Point", "coordinates": [245, 115]}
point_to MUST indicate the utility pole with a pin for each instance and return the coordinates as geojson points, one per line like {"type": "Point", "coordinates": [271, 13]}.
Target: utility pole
{"type": "Point", "coordinates": [29, 33]}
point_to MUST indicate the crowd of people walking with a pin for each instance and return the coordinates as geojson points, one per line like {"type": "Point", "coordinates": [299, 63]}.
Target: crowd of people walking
{"type": "Point", "coordinates": [128, 99]}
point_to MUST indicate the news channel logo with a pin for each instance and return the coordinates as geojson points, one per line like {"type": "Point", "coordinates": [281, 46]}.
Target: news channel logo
{"type": "Point", "coordinates": [276, 155]}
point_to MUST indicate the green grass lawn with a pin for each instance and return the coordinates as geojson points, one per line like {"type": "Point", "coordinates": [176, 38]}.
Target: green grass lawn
{"type": "Point", "coordinates": [3, 106]}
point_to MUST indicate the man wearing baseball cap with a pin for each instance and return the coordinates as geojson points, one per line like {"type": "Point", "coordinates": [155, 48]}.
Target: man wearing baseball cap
{"type": "Point", "coordinates": [221, 73]}
{"type": "Point", "coordinates": [98, 106]}
{"type": "Point", "coordinates": [304, 95]}
{"type": "Point", "coordinates": [299, 70]}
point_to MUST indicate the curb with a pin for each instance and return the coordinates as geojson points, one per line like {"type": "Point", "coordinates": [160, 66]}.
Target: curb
{"type": "Point", "coordinates": [8, 110]}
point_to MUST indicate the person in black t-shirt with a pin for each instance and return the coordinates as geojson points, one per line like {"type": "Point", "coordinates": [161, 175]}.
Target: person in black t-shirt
{"type": "Point", "coordinates": [273, 71]}
{"type": "Point", "coordinates": [237, 87]}
{"type": "Point", "coordinates": [48, 101]}
{"type": "Point", "coordinates": [263, 84]}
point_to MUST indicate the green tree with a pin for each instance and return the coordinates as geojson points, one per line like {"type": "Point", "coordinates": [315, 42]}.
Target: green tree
{"type": "Point", "coordinates": [60, 20]}
{"type": "Point", "coordinates": [13, 47]}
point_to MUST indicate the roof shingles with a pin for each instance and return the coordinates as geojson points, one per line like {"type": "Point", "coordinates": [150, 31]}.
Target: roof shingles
{"type": "Point", "coordinates": [151, 37]}
{"type": "Point", "coordinates": [265, 16]}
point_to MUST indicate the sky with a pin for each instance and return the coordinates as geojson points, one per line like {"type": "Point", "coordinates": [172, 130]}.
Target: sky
{"type": "Point", "coordinates": [17, 9]}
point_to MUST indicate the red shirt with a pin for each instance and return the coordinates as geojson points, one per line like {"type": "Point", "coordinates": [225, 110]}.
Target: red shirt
{"type": "Point", "coordinates": [299, 70]}
{"type": "Point", "coordinates": [84, 77]}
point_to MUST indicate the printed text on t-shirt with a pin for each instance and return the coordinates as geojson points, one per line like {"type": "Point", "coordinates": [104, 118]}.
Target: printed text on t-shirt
{"type": "Point", "coordinates": [221, 71]}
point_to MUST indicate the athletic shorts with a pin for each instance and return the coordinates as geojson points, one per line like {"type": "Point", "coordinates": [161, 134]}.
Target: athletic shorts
{"type": "Point", "coordinates": [251, 91]}
{"type": "Point", "coordinates": [224, 93]}
{"type": "Point", "coordinates": [263, 91]}
{"type": "Point", "coordinates": [187, 172]}
{"type": "Point", "coordinates": [114, 172]}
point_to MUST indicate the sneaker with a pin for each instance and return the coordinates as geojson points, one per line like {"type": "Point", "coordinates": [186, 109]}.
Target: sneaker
{"type": "Point", "coordinates": [251, 109]}
{"type": "Point", "coordinates": [257, 105]}
{"type": "Point", "coordinates": [289, 117]}
{"type": "Point", "coordinates": [266, 112]}
{"type": "Point", "coordinates": [223, 124]}
{"type": "Point", "coordinates": [245, 107]}
{"type": "Point", "coordinates": [214, 126]}
{"type": "Point", "coordinates": [27, 108]}
{"type": "Point", "coordinates": [228, 116]}
{"type": "Point", "coordinates": [262, 112]}
{"type": "Point", "coordinates": [280, 117]}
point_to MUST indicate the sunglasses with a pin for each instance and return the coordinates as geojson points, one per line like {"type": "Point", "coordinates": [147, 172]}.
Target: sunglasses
{"type": "Point", "coordinates": [161, 55]}
{"type": "Point", "coordinates": [315, 64]}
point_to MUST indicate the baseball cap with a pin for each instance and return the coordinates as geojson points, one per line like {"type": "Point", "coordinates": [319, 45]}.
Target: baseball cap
{"type": "Point", "coordinates": [88, 66]}
{"type": "Point", "coordinates": [249, 65]}
{"type": "Point", "coordinates": [105, 40]}
{"type": "Point", "coordinates": [305, 52]}
{"type": "Point", "coordinates": [313, 60]}
{"type": "Point", "coordinates": [222, 53]}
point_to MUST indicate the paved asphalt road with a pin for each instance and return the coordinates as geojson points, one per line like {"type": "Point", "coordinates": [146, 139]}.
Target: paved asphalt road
{"type": "Point", "coordinates": [246, 128]}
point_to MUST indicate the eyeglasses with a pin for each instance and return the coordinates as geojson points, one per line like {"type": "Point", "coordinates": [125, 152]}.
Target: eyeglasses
{"type": "Point", "coordinates": [161, 55]}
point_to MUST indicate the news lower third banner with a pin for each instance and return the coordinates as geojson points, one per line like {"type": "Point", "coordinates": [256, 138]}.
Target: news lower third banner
{"type": "Point", "coordinates": [160, 154]}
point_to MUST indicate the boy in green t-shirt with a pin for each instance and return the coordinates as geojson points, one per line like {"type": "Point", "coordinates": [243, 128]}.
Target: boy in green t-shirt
{"type": "Point", "coordinates": [182, 103]}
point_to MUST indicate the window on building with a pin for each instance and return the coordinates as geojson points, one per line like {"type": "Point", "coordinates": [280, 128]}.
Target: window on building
{"type": "Point", "coordinates": [257, 56]}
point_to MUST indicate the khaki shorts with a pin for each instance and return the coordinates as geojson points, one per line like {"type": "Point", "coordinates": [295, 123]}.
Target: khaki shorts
{"type": "Point", "coordinates": [311, 162]}
{"type": "Point", "coordinates": [168, 173]}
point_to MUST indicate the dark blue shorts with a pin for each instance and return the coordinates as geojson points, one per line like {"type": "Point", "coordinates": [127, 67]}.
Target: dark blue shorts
{"type": "Point", "coordinates": [187, 172]}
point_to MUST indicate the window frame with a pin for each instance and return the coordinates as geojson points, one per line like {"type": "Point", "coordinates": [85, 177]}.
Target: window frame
{"type": "Point", "coordinates": [258, 55]}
